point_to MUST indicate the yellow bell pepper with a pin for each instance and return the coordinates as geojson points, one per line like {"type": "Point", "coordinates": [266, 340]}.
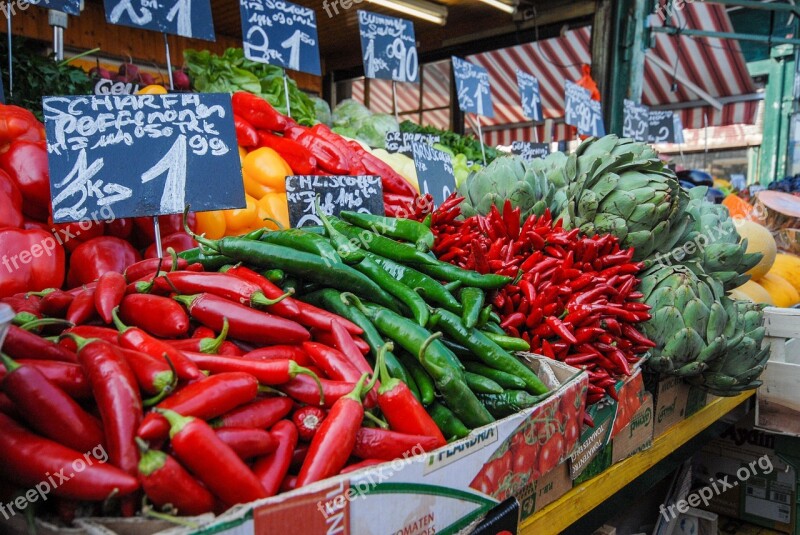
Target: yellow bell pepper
{"type": "Point", "coordinates": [212, 224]}
{"type": "Point", "coordinates": [274, 206]}
{"type": "Point", "coordinates": [266, 167]}
{"type": "Point", "coordinates": [254, 188]}
{"type": "Point", "coordinates": [242, 154]}
{"type": "Point", "coordinates": [240, 219]}
{"type": "Point", "coordinates": [152, 90]}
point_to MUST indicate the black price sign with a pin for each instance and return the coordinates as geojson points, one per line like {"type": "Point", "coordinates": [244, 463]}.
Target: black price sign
{"type": "Point", "coordinates": [401, 141]}
{"type": "Point", "coordinates": [662, 127]}
{"type": "Point", "coordinates": [70, 7]}
{"type": "Point", "coordinates": [636, 123]}
{"type": "Point", "coordinates": [530, 96]}
{"type": "Point", "coordinates": [141, 155]}
{"type": "Point", "coordinates": [435, 172]}
{"type": "Point", "coordinates": [473, 89]}
{"type": "Point", "coordinates": [582, 112]}
{"type": "Point", "coordinates": [530, 151]}
{"type": "Point", "coordinates": [388, 47]}
{"type": "Point", "coordinates": [187, 18]}
{"type": "Point", "coordinates": [336, 194]}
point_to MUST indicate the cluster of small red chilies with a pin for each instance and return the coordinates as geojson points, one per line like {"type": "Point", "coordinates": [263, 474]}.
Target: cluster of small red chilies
{"type": "Point", "coordinates": [574, 298]}
{"type": "Point", "coordinates": [314, 151]}
{"type": "Point", "coordinates": [279, 405]}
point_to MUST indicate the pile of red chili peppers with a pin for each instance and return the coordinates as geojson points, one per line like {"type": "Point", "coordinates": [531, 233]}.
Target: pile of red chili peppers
{"type": "Point", "coordinates": [285, 403]}
{"type": "Point", "coordinates": [574, 298]}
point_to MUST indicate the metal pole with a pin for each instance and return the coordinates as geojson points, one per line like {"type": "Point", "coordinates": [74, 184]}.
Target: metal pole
{"type": "Point", "coordinates": [480, 137]}
{"type": "Point", "coordinates": [10, 66]}
{"type": "Point", "coordinates": [157, 232]}
{"type": "Point", "coordinates": [535, 133]}
{"type": "Point", "coordinates": [58, 20]}
{"type": "Point", "coordinates": [171, 87]}
{"type": "Point", "coordinates": [286, 92]}
{"type": "Point", "coordinates": [394, 101]}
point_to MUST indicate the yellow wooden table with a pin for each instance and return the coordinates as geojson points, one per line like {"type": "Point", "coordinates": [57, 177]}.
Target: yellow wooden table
{"type": "Point", "coordinates": [563, 512]}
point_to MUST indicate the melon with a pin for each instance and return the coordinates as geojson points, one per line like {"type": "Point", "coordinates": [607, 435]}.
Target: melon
{"type": "Point", "coordinates": [739, 295]}
{"type": "Point", "coordinates": [782, 292]}
{"type": "Point", "coordinates": [788, 267]}
{"type": "Point", "coordinates": [755, 293]}
{"type": "Point", "coordinates": [759, 240]}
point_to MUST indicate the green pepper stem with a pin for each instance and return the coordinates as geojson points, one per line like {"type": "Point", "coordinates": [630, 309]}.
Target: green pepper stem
{"type": "Point", "coordinates": [45, 322]}
{"type": "Point", "coordinates": [259, 299]}
{"type": "Point", "coordinates": [374, 419]}
{"type": "Point", "coordinates": [174, 256]}
{"type": "Point", "coordinates": [295, 369]}
{"type": "Point", "coordinates": [347, 296]}
{"type": "Point", "coordinates": [264, 389]}
{"type": "Point", "coordinates": [212, 348]}
{"type": "Point", "coordinates": [43, 293]}
{"type": "Point", "coordinates": [9, 363]}
{"type": "Point", "coordinates": [424, 347]}
{"type": "Point", "coordinates": [356, 393]}
{"type": "Point", "coordinates": [168, 388]}
{"type": "Point", "coordinates": [121, 327]}
{"type": "Point", "coordinates": [176, 421]}
{"type": "Point", "coordinates": [80, 341]}
{"type": "Point", "coordinates": [275, 222]}
{"type": "Point", "coordinates": [387, 381]}
{"type": "Point", "coordinates": [23, 318]}
{"type": "Point", "coordinates": [185, 300]}
{"type": "Point", "coordinates": [202, 240]}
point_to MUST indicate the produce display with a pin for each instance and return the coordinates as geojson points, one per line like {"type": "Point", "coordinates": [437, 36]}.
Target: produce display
{"type": "Point", "coordinates": [352, 119]}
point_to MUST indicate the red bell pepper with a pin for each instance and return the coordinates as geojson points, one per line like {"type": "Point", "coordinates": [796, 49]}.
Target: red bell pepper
{"type": "Point", "coordinates": [10, 202]}
{"type": "Point", "coordinates": [213, 462]}
{"type": "Point", "coordinates": [260, 414]}
{"type": "Point", "coordinates": [308, 420]}
{"type": "Point", "coordinates": [179, 241]}
{"type": "Point", "coordinates": [49, 410]}
{"type": "Point", "coordinates": [329, 157]}
{"type": "Point", "coordinates": [258, 112]}
{"type": "Point", "coordinates": [120, 228]}
{"type": "Point", "coordinates": [376, 443]}
{"type": "Point", "coordinates": [392, 182]}
{"type": "Point", "coordinates": [74, 234]}
{"type": "Point", "coordinates": [21, 344]}
{"type": "Point", "coordinates": [98, 256]}
{"type": "Point", "coordinates": [31, 261]}
{"type": "Point", "coordinates": [297, 156]}
{"type": "Point", "coordinates": [26, 164]}
{"type": "Point", "coordinates": [97, 482]}
{"type": "Point", "coordinates": [18, 123]}
{"type": "Point", "coordinates": [246, 135]}
{"type": "Point", "coordinates": [247, 442]}
{"type": "Point", "coordinates": [271, 470]}
{"type": "Point", "coordinates": [160, 316]}
{"type": "Point", "coordinates": [65, 375]}
{"type": "Point", "coordinates": [165, 481]}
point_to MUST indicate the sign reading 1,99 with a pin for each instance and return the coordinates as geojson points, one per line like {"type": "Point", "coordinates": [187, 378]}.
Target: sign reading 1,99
{"type": "Point", "coordinates": [281, 33]}
{"type": "Point", "coordinates": [187, 18]}
{"type": "Point", "coordinates": [388, 47]}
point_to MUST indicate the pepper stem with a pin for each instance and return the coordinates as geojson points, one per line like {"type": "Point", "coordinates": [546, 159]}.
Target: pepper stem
{"type": "Point", "coordinates": [355, 394]}
{"type": "Point", "coordinates": [80, 341]}
{"type": "Point", "coordinates": [176, 421]}
{"type": "Point", "coordinates": [174, 256]}
{"type": "Point", "coordinates": [374, 419]}
{"type": "Point", "coordinates": [295, 369]}
{"type": "Point", "coordinates": [347, 296]}
{"type": "Point", "coordinates": [424, 347]}
{"type": "Point", "coordinates": [45, 322]}
{"type": "Point", "coordinates": [212, 347]}
{"type": "Point", "coordinates": [43, 293]}
{"type": "Point", "coordinates": [275, 222]}
{"type": "Point", "coordinates": [23, 318]}
{"type": "Point", "coordinates": [202, 240]}
{"type": "Point", "coordinates": [387, 381]}
{"type": "Point", "coordinates": [259, 299]}
{"type": "Point", "coordinates": [9, 363]}
{"type": "Point", "coordinates": [185, 300]}
{"type": "Point", "coordinates": [168, 388]}
{"type": "Point", "coordinates": [121, 327]}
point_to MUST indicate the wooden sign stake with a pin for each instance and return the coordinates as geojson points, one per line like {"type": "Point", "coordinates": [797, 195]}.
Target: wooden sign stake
{"type": "Point", "coordinates": [480, 138]}
{"type": "Point", "coordinates": [394, 102]}
{"type": "Point", "coordinates": [10, 65]}
{"type": "Point", "coordinates": [286, 92]}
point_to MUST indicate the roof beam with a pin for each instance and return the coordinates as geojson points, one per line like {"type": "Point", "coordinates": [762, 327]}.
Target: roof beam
{"type": "Point", "coordinates": [699, 91]}
{"type": "Point", "coordinates": [767, 39]}
{"type": "Point", "coordinates": [767, 6]}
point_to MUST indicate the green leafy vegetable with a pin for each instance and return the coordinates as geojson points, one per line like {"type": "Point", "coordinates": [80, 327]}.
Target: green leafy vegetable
{"type": "Point", "coordinates": [467, 145]}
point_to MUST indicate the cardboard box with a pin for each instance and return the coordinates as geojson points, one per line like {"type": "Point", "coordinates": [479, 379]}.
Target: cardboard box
{"type": "Point", "coordinates": [674, 400]}
{"type": "Point", "coordinates": [545, 490]}
{"type": "Point", "coordinates": [758, 472]}
{"type": "Point", "coordinates": [778, 399]}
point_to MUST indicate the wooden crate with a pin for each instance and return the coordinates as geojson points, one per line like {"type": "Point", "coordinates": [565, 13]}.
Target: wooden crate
{"type": "Point", "coordinates": [778, 399]}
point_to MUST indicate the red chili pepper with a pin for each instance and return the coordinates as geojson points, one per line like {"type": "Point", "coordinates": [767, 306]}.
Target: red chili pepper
{"type": "Point", "coordinates": [100, 255]}
{"type": "Point", "coordinates": [267, 372]}
{"type": "Point", "coordinates": [513, 320]}
{"type": "Point", "coordinates": [179, 242]}
{"type": "Point", "coordinates": [159, 316]}
{"type": "Point", "coordinates": [135, 338]}
{"type": "Point", "coordinates": [326, 337]}
{"type": "Point", "coordinates": [219, 284]}
{"type": "Point", "coordinates": [245, 323]}
{"type": "Point", "coordinates": [65, 375]}
{"type": "Point", "coordinates": [289, 483]}
{"type": "Point", "coordinates": [29, 304]}
{"type": "Point", "coordinates": [334, 442]}
{"type": "Point", "coordinates": [308, 420]}
{"type": "Point", "coordinates": [153, 375]}
{"type": "Point", "coordinates": [260, 414]}
{"type": "Point", "coordinates": [311, 316]}
{"type": "Point", "coordinates": [213, 462]}
{"type": "Point", "coordinates": [108, 294]}
{"type": "Point", "coordinates": [358, 466]}
{"type": "Point", "coordinates": [299, 158]}
{"type": "Point", "coordinates": [305, 390]}
{"type": "Point", "coordinates": [247, 442]}
{"type": "Point", "coordinates": [55, 303]}
{"type": "Point", "coordinates": [631, 333]}
{"type": "Point", "coordinates": [246, 135]}
{"type": "Point", "coordinates": [211, 345]}
{"type": "Point", "coordinates": [271, 469]}
{"type": "Point", "coordinates": [96, 482]}
{"type": "Point", "coordinates": [82, 308]}
{"type": "Point", "coordinates": [376, 443]}
{"type": "Point", "coordinates": [333, 363]}
{"type": "Point", "coordinates": [165, 481]}
{"type": "Point", "coordinates": [88, 331]}
{"type": "Point", "coordinates": [560, 329]}
{"type": "Point", "coordinates": [47, 409]}
{"type": "Point", "coordinates": [294, 353]}
{"type": "Point", "coordinates": [288, 308]}
{"type": "Point", "coordinates": [21, 344]}
{"type": "Point", "coordinates": [150, 267]}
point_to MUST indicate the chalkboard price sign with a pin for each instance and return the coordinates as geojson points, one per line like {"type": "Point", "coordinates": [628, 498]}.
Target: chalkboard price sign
{"type": "Point", "coordinates": [141, 155]}
{"type": "Point", "coordinates": [636, 123]}
{"type": "Point", "coordinates": [582, 112]}
{"type": "Point", "coordinates": [530, 151]}
{"type": "Point", "coordinates": [435, 172]}
{"type": "Point", "coordinates": [281, 33]}
{"type": "Point", "coordinates": [401, 141]}
{"type": "Point", "coordinates": [187, 18]}
{"type": "Point", "coordinates": [70, 7]}
{"type": "Point", "coordinates": [388, 47]}
{"type": "Point", "coordinates": [336, 194]}
{"type": "Point", "coordinates": [472, 84]}
{"type": "Point", "coordinates": [662, 127]}
{"type": "Point", "coordinates": [530, 96]}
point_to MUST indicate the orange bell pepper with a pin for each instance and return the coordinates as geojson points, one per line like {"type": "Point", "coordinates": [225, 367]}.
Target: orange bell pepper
{"type": "Point", "coordinates": [274, 206]}
{"type": "Point", "coordinates": [212, 224]}
{"type": "Point", "coordinates": [241, 219]}
{"type": "Point", "coordinates": [242, 154]}
{"type": "Point", "coordinates": [266, 167]}
{"type": "Point", "coordinates": [255, 188]}
{"type": "Point", "coordinates": [154, 89]}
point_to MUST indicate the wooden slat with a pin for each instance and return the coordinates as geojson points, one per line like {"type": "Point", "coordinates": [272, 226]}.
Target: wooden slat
{"type": "Point", "coordinates": [562, 513]}
{"type": "Point", "coordinates": [782, 322]}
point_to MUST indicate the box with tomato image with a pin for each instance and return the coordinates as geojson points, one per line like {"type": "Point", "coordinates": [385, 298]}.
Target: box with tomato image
{"type": "Point", "coordinates": [543, 440]}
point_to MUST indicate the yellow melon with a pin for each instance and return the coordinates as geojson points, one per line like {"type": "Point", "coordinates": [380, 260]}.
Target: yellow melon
{"type": "Point", "coordinates": [788, 267]}
{"type": "Point", "coordinates": [739, 295]}
{"type": "Point", "coordinates": [759, 240]}
{"type": "Point", "coordinates": [755, 293]}
{"type": "Point", "coordinates": [782, 292]}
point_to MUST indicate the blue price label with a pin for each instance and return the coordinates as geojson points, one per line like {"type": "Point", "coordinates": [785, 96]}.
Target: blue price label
{"type": "Point", "coordinates": [472, 84]}
{"type": "Point", "coordinates": [434, 171]}
{"type": "Point", "coordinates": [70, 7]}
{"type": "Point", "coordinates": [187, 18]}
{"type": "Point", "coordinates": [636, 123]}
{"type": "Point", "coordinates": [530, 96]}
{"type": "Point", "coordinates": [388, 47]}
{"type": "Point", "coordinates": [281, 33]}
{"type": "Point", "coordinates": [582, 112]}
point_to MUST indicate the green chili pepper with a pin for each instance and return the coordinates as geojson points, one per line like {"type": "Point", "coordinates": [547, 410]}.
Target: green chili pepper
{"type": "Point", "coordinates": [449, 424]}
{"type": "Point", "coordinates": [506, 380]}
{"type": "Point", "coordinates": [495, 317]}
{"type": "Point", "coordinates": [347, 251]}
{"type": "Point", "coordinates": [493, 328]}
{"type": "Point", "coordinates": [307, 266]}
{"type": "Point", "coordinates": [453, 286]}
{"type": "Point", "coordinates": [428, 287]}
{"type": "Point", "coordinates": [399, 229]}
{"type": "Point", "coordinates": [315, 229]}
{"type": "Point", "coordinates": [487, 351]}
{"type": "Point", "coordinates": [210, 261]}
{"type": "Point", "coordinates": [381, 245]}
{"type": "Point", "coordinates": [276, 276]}
{"type": "Point", "coordinates": [438, 361]}
{"type": "Point", "coordinates": [449, 272]}
{"type": "Point", "coordinates": [509, 343]}
{"type": "Point", "coordinates": [424, 383]}
{"type": "Point", "coordinates": [302, 240]}
{"type": "Point", "coordinates": [331, 300]}
{"type": "Point", "coordinates": [509, 402]}
{"type": "Point", "coordinates": [471, 302]}
{"type": "Point", "coordinates": [290, 283]}
{"type": "Point", "coordinates": [482, 385]}
{"type": "Point", "coordinates": [406, 295]}
{"type": "Point", "coordinates": [460, 351]}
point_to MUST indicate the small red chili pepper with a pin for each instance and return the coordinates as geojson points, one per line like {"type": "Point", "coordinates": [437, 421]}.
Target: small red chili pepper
{"type": "Point", "coordinates": [82, 307]}
{"type": "Point", "coordinates": [260, 414]}
{"type": "Point", "coordinates": [332, 362]}
{"type": "Point", "coordinates": [358, 466]}
{"type": "Point", "coordinates": [108, 294]}
{"type": "Point", "coordinates": [159, 316]}
{"type": "Point", "coordinates": [271, 470]}
{"type": "Point", "coordinates": [150, 267]}
{"type": "Point", "coordinates": [153, 375]}
{"type": "Point", "coordinates": [288, 308]}
{"type": "Point", "coordinates": [21, 344]}
{"type": "Point", "coordinates": [222, 285]}
{"type": "Point", "coordinates": [560, 329]}
{"type": "Point", "coordinates": [212, 461]}
{"type": "Point", "coordinates": [376, 443]}
{"type": "Point", "coordinates": [210, 345]}
{"type": "Point", "coordinates": [343, 341]}
{"type": "Point", "coordinates": [67, 376]}
{"type": "Point", "coordinates": [55, 303]}
{"type": "Point", "coordinates": [308, 420]}
{"type": "Point", "coordinates": [247, 442]}
{"type": "Point", "coordinates": [267, 372]}
{"type": "Point", "coordinates": [295, 353]}
{"type": "Point", "coordinates": [326, 337]}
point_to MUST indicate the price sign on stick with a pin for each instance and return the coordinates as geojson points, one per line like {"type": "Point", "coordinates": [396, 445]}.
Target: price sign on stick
{"type": "Point", "coordinates": [141, 155]}
{"type": "Point", "coordinates": [581, 111]}
{"type": "Point", "coordinates": [187, 18]}
{"type": "Point", "coordinates": [70, 7]}
{"type": "Point", "coordinates": [388, 47]}
{"type": "Point", "coordinates": [530, 151]}
{"type": "Point", "coordinates": [281, 33]}
{"type": "Point", "coordinates": [472, 84]}
{"type": "Point", "coordinates": [336, 194]}
{"type": "Point", "coordinates": [530, 96]}
{"type": "Point", "coordinates": [435, 172]}
{"type": "Point", "coordinates": [636, 123]}
{"type": "Point", "coordinates": [401, 141]}
{"type": "Point", "coordinates": [662, 127]}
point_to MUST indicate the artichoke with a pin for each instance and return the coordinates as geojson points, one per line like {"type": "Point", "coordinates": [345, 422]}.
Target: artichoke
{"type": "Point", "coordinates": [621, 187]}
